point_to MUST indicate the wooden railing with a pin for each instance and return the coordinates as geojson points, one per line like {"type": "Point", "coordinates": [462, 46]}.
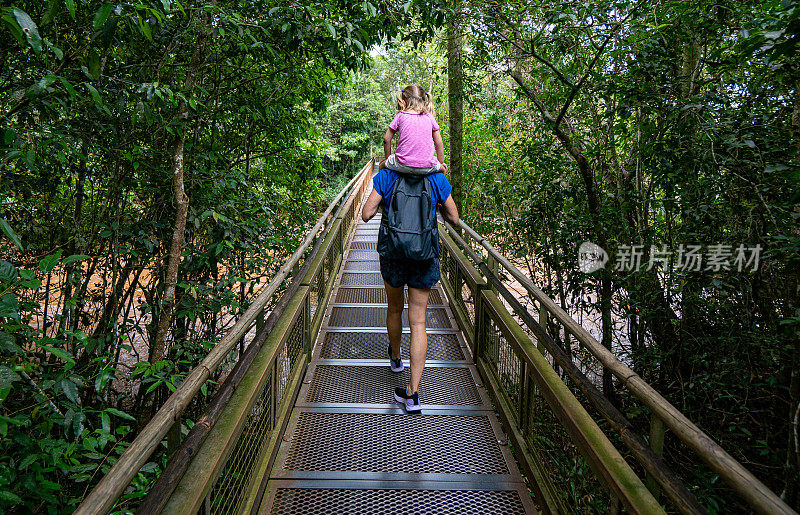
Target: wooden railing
{"type": "Point", "coordinates": [536, 403]}
{"type": "Point", "coordinates": [223, 462]}
{"type": "Point", "coordinates": [224, 456]}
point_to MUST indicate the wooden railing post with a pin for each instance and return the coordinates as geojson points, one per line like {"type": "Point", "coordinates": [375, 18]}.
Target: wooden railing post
{"type": "Point", "coordinates": [273, 396]}
{"type": "Point", "coordinates": [657, 432]}
{"type": "Point", "coordinates": [476, 337]}
{"type": "Point", "coordinates": [478, 344]}
{"type": "Point", "coordinates": [524, 398]}
{"type": "Point", "coordinates": [206, 509]}
{"type": "Point", "coordinates": [494, 266]}
{"type": "Point", "coordinates": [544, 317]}
{"type": "Point", "coordinates": [174, 438]}
{"type": "Point", "coordinates": [480, 318]}
{"type": "Point", "coordinates": [260, 320]}
{"type": "Point", "coordinates": [458, 281]}
{"type": "Point", "coordinates": [613, 505]}
{"type": "Point", "coordinates": [308, 344]}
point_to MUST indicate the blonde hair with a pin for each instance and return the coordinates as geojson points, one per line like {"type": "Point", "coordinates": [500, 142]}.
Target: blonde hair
{"type": "Point", "coordinates": [415, 99]}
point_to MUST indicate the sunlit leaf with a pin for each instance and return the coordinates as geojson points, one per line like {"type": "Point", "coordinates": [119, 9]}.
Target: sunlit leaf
{"type": "Point", "coordinates": [29, 29]}
{"type": "Point", "coordinates": [47, 263]}
{"type": "Point", "coordinates": [120, 414]}
{"type": "Point", "coordinates": [7, 272]}
{"type": "Point", "coordinates": [70, 390]}
{"type": "Point", "coordinates": [73, 258]}
{"type": "Point", "coordinates": [9, 306]}
{"type": "Point", "coordinates": [145, 26]}
{"type": "Point", "coordinates": [330, 28]}
{"type": "Point", "coordinates": [61, 353]}
{"type": "Point", "coordinates": [93, 64]}
{"type": "Point", "coordinates": [9, 232]}
{"type": "Point", "coordinates": [101, 16]}
{"type": "Point", "coordinates": [95, 94]}
{"type": "Point", "coordinates": [8, 376]}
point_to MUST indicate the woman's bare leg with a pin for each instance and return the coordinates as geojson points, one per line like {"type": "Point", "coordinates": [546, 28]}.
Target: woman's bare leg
{"type": "Point", "coordinates": [417, 308]}
{"type": "Point", "coordinates": [394, 317]}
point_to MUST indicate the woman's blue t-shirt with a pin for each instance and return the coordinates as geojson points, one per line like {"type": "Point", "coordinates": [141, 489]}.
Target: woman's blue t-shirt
{"type": "Point", "coordinates": [440, 186]}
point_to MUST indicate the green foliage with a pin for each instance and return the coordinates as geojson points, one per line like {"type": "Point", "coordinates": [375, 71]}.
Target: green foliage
{"type": "Point", "coordinates": [95, 97]}
{"type": "Point", "coordinates": [688, 123]}
{"type": "Point", "coordinates": [686, 119]}
{"type": "Point", "coordinates": [56, 437]}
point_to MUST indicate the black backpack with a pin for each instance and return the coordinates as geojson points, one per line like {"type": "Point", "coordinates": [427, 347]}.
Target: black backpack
{"type": "Point", "coordinates": [408, 226]}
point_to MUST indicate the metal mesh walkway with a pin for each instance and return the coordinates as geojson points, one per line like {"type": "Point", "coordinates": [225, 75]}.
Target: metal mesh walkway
{"type": "Point", "coordinates": [349, 448]}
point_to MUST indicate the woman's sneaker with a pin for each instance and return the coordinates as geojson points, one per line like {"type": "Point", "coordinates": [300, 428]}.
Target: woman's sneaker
{"type": "Point", "coordinates": [410, 402]}
{"type": "Point", "coordinates": [395, 364]}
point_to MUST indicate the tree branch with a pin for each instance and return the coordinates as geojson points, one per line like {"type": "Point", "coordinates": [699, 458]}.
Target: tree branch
{"type": "Point", "coordinates": [575, 150]}
{"type": "Point", "coordinates": [580, 83]}
{"type": "Point", "coordinates": [598, 53]}
{"type": "Point", "coordinates": [573, 147]}
{"type": "Point", "coordinates": [539, 58]}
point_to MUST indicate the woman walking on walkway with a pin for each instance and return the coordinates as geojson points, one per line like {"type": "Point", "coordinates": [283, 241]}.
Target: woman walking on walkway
{"type": "Point", "coordinates": [418, 139]}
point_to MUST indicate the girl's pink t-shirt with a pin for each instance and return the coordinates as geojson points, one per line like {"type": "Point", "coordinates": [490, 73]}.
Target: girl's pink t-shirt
{"type": "Point", "coordinates": [415, 139]}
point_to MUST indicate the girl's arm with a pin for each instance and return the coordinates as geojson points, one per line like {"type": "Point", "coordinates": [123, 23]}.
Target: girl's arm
{"type": "Point", "coordinates": [387, 147]}
{"type": "Point", "coordinates": [437, 143]}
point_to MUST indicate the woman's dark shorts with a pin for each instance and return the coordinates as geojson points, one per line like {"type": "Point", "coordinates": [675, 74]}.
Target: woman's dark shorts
{"type": "Point", "coordinates": [416, 274]}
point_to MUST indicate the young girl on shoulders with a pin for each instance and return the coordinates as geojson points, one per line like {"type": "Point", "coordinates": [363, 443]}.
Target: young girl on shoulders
{"type": "Point", "coordinates": [419, 144]}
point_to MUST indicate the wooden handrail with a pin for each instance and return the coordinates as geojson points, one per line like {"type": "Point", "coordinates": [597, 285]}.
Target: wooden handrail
{"type": "Point", "coordinates": [102, 498]}
{"type": "Point", "coordinates": [604, 459]}
{"type": "Point", "coordinates": [159, 493]}
{"type": "Point", "coordinates": [753, 491]}
{"type": "Point", "coordinates": [601, 455]}
{"type": "Point", "coordinates": [211, 457]}
{"type": "Point", "coordinates": [673, 486]}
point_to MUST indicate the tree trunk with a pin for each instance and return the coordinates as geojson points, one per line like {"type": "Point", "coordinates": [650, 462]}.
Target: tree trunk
{"type": "Point", "coordinates": [608, 332]}
{"type": "Point", "coordinates": [72, 247]}
{"type": "Point", "coordinates": [112, 306]}
{"type": "Point", "coordinates": [158, 348]}
{"type": "Point", "coordinates": [455, 96]}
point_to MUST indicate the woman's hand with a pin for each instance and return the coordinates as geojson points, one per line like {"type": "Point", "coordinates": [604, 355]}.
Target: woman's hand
{"type": "Point", "coordinates": [443, 167]}
{"type": "Point", "coordinates": [382, 164]}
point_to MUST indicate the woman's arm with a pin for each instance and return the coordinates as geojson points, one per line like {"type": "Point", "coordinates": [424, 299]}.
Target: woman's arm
{"type": "Point", "coordinates": [371, 206]}
{"type": "Point", "coordinates": [387, 147]}
{"type": "Point", "coordinates": [449, 210]}
{"type": "Point", "coordinates": [437, 143]}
